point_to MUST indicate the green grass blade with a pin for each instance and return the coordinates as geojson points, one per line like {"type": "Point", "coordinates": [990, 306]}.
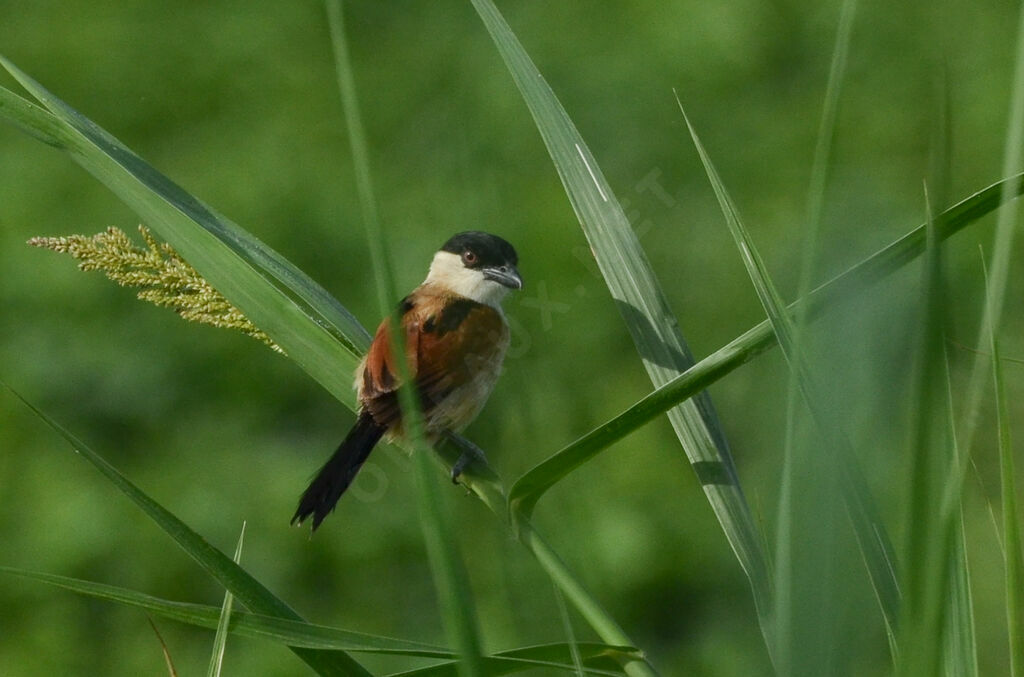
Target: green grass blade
{"type": "Point", "coordinates": [240, 583]}
{"type": "Point", "coordinates": [868, 527]}
{"type": "Point", "coordinates": [256, 626]}
{"type": "Point", "coordinates": [807, 511]}
{"type": "Point", "coordinates": [315, 330]}
{"type": "Point", "coordinates": [563, 614]}
{"type": "Point", "coordinates": [302, 634]}
{"type": "Point", "coordinates": [31, 119]}
{"type": "Point", "coordinates": [220, 639]}
{"type": "Point", "coordinates": [1014, 560]}
{"type": "Point", "coordinates": [450, 577]}
{"type": "Point", "coordinates": [927, 555]}
{"type": "Point", "coordinates": [528, 489]}
{"type": "Point", "coordinates": [598, 658]}
{"type": "Point", "coordinates": [641, 301]}
{"type": "Point", "coordinates": [960, 637]}
{"type": "Point", "coordinates": [1006, 225]}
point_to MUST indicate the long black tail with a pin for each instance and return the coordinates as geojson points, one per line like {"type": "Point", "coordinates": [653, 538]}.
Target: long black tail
{"type": "Point", "coordinates": [333, 479]}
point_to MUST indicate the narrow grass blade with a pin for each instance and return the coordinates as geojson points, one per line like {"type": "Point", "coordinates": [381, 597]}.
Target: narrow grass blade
{"type": "Point", "coordinates": [220, 639]}
{"type": "Point", "coordinates": [1014, 559]}
{"type": "Point", "coordinates": [528, 489]}
{"type": "Point", "coordinates": [868, 527]}
{"type": "Point", "coordinates": [928, 574]}
{"type": "Point", "coordinates": [641, 301]}
{"type": "Point", "coordinates": [276, 629]}
{"type": "Point", "coordinates": [240, 583]}
{"type": "Point", "coordinates": [960, 638]}
{"type": "Point", "coordinates": [1006, 225]}
{"type": "Point", "coordinates": [548, 657]}
{"type": "Point", "coordinates": [171, 670]}
{"type": "Point", "coordinates": [805, 605]}
{"type": "Point", "coordinates": [313, 328]}
{"type": "Point", "coordinates": [563, 613]}
{"type": "Point", "coordinates": [302, 634]}
{"type": "Point", "coordinates": [450, 576]}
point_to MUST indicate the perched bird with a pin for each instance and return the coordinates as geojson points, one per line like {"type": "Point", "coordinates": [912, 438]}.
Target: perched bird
{"type": "Point", "coordinates": [455, 341]}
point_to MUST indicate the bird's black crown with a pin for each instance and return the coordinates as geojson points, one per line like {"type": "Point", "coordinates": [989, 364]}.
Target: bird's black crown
{"type": "Point", "coordinates": [490, 250]}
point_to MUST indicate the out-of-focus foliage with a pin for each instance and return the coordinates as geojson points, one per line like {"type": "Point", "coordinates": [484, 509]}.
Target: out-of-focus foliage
{"type": "Point", "coordinates": [238, 103]}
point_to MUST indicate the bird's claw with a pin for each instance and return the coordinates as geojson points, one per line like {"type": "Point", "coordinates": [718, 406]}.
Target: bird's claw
{"type": "Point", "coordinates": [467, 457]}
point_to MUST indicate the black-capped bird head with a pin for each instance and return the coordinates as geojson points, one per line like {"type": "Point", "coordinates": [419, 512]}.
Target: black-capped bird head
{"type": "Point", "coordinates": [478, 266]}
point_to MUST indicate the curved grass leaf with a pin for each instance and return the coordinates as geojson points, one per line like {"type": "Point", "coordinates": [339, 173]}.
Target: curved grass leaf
{"type": "Point", "coordinates": [301, 634]}
{"type": "Point", "coordinates": [642, 303]}
{"type": "Point", "coordinates": [292, 632]}
{"type": "Point", "coordinates": [528, 489]}
{"type": "Point", "coordinates": [237, 580]}
{"type": "Point", "coordinates": [870, 531]}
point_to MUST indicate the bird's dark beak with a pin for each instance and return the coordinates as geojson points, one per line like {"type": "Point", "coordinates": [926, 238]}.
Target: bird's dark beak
{"type": "Point", "coordinates": [505, 275]}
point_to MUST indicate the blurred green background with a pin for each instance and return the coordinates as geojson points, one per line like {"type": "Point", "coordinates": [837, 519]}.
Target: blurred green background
{"type": "Point", "coordinates": [237, 102]}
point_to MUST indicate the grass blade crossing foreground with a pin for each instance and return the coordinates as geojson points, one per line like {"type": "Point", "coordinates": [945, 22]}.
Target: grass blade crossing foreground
{"type": "Point", "coordinates": [533, 484]}
{"type": "Point", "coordinates": [640, 300]}
{"type": "Point", "coordinates": [243, 586]}
{"type": "Point", "coordinates": [868, 527]}
{"type": "Point", "coordinates": [299, 315]}
{"type": "Point", "coordinates": [450, 577]}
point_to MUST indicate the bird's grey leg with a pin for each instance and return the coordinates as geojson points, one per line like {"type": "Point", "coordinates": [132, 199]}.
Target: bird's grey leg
{"type": "Point", "coordinates": [469, 455]}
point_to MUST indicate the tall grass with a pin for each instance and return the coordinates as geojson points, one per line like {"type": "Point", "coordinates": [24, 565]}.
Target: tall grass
{"type": "Point", "coordinates": [799, 602]}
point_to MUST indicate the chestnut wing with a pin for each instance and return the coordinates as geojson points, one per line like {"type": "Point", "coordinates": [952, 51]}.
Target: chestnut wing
{"type": "Point", "coordinates": [447, 341]}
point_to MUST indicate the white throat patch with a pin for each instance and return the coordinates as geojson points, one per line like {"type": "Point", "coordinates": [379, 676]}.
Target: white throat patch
{"type": "Point", "coordinates": [447, 271]}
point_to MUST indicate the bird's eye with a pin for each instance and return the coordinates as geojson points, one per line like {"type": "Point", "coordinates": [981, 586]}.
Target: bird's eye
{"type": "Point", "coordinates": [468, 258]}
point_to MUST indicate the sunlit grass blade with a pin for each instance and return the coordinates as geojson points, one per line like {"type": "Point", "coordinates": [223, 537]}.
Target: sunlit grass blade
{"type": "Point", "coordinates": [640, 299]}
{"type": "Point", "coordinates": [450, 577]}
{"type": "Point", "coordinates": [299, 315]}
{"type": "Point", "coordinates": [240, 583]}
{"type": "Point", "coordinates": [528, 489]}
{"type": "Point", "coordinates": [870, 531]}
{"type": "Point", "coordinates": [220, 639]}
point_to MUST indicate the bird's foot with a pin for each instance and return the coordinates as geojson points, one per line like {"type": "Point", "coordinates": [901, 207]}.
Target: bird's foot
{"type": "Point", "coordinates": [474, 453]}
